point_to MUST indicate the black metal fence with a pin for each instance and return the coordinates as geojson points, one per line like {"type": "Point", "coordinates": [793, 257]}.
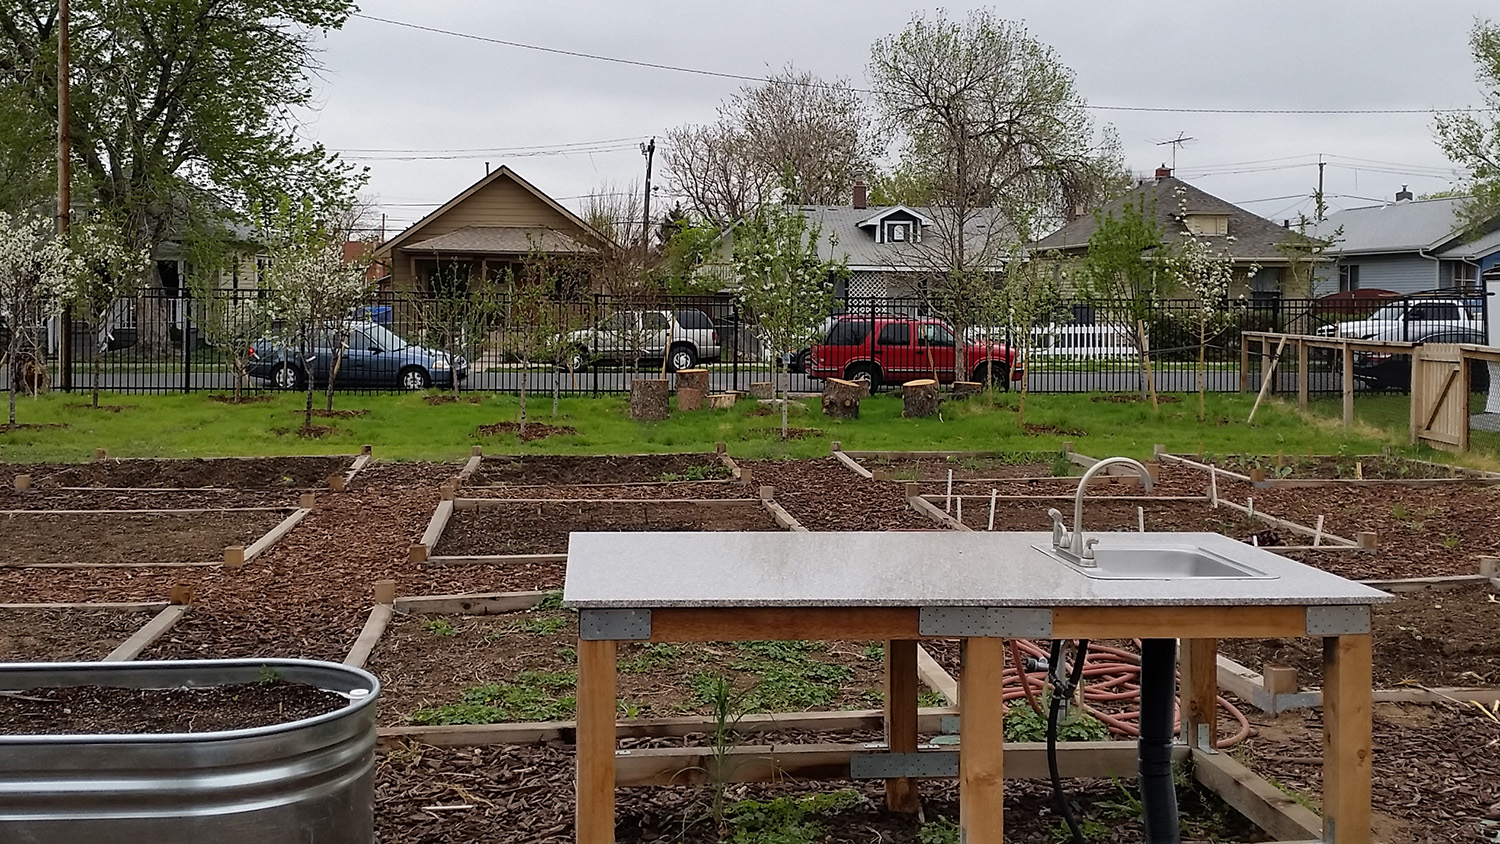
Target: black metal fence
{"type": "Point", "coordinates": [162, 341]}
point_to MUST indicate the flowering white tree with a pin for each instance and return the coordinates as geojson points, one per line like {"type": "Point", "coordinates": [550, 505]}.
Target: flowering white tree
{"type": "Point", "coordinates": [311, 291]}
{"type": "Point", "coordinates": [102, 269]}
{"type": "Point", "coordinates": [1207, 272]}
{"type": "Point", "coordinates": [784, 282]}
{"type": "Point", "coordinates": [32, 263]}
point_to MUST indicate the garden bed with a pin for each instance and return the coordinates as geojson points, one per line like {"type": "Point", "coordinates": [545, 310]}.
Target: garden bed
{"type": "Point", "coordinates": [543, 528]}
{"type": "Point", "coordinates": [223, 473]}
{"type": "Point", "coordinates": [548, 469]}
{"type": "Point", "coordinates": [79, 710]}
{"type": "Point", "coordinates": [643, 490]}
{"type": "Point", "coordinates": [106, 538]}
{"type": "Point", "coordinates": [1368, 467]}
{"type": "Point", "coordinates": [937, 467]}
{"type": "Point", "coordinates": [66, 634]}
{"type": "Point", "coordinates": [522, 666]}
{"type": "Point", "coordinates": [824, 495]}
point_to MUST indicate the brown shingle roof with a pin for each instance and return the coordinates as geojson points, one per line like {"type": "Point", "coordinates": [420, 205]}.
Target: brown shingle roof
{"type": "Point", "coordinates": [501, 240]}
{"type": "Point", "coordinates": [1255, 238]}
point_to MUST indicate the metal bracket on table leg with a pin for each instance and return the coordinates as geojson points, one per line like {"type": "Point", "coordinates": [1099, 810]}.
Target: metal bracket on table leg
{"type": "Point", "coordinates": [621, 625]}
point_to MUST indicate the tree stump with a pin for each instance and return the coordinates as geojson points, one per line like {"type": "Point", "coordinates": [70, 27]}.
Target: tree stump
{"type": "Point", "coordinates": [841, 398]}
{"type": "Point", "coordinates": [689, 398]}
{"type": "Point", "coordinates": [964, 389]}
{"type": "Point", "coordinates": [763, 389]}
{"type": "Point", "coordinates": [722, 401]}
{"type": "Point", "coordinates": [692, 379]}
{"type": "Point", "coordinates": [648, 399]}
{"type": "Point", "coordinates": [920, 398]}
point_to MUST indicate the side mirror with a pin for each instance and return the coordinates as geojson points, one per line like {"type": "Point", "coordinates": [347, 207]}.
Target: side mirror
{"type": "Point", "coordinates": [375, 350]}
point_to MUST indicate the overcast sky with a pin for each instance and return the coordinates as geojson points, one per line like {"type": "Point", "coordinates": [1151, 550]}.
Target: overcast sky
{"type": "Point", "coordinates": [425, 111]}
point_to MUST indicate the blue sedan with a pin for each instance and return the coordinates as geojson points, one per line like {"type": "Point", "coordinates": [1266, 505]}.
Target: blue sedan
{"type": "Point", "coordinates": [374, 356]}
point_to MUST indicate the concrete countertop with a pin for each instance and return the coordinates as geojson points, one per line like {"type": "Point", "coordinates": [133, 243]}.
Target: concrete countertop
{"type": "Point", "coordinates": [913, 569]}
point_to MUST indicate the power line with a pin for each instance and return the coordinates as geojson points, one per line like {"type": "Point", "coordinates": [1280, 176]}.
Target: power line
{"type": "Point", "coordinates": [505, 150]}
{"type": "Point", "coordinates": [813, 84]}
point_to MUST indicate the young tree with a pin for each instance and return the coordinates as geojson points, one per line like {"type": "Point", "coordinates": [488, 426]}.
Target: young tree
{"type": "Point", "coordinates": [784, 282]}
{"type": "Point", "coordinates": [102, 270]}
{"type": "Point", "coordinates": [461, 312]}
{"type": "Point", "coordinates": [231, 320]}
{"type": "Point", "coordinates": [1031, 298]}
{"type": "Point", "coordinates": [1472, 140]}
{"type": "Point", "coordinates": [33, 263]}
{"type": "Point", "coordinates": [534, 327]}
{"type": "Point", "coordinates": [311, 288]}
{"type": "Point", "coordinates": [1207, 272]}
{"type": "Point", "coordinates": [1127, 269]}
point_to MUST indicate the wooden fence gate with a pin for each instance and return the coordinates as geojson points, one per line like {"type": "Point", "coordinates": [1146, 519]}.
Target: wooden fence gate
{"type": "Point", "coordinates": [1440, 396]}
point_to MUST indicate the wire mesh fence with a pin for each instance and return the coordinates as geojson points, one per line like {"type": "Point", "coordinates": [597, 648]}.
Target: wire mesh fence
{"type": "Point", "coordinates": [162, 340]}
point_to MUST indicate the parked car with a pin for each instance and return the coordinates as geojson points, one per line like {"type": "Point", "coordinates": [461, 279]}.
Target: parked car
{"type": "Point", "coordinates": [374, 356]}
{"type": "Point", "coordinates": [1410, 318]}
{"type": "Point", "coordinates": [685, 336]}
{"type": "Point", "coordinates": [896, 349]}
{"type": "Point", "coordinates": [1381, 371]}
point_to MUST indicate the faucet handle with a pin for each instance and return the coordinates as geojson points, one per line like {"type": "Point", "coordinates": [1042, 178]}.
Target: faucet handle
{"type": "Point", "coordinates": [1088, 547]}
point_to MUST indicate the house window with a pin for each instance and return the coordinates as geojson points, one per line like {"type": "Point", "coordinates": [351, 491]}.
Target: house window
{"type": "Point", "coordinates": [262, 263]}
{"type": "Point", "coordinates": [898, 232]}
{"type": "Point", "coordinates": [1465, 277]}
{"type": "Point", "coordinates": [1348, 277]}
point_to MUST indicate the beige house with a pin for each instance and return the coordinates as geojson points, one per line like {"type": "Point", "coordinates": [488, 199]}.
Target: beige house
{"type": "Point", "coordinates": [492, 225]}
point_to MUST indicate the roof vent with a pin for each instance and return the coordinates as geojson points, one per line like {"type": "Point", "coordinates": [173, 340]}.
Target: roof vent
{"type": "Point", "coordinates": [1403, 195]}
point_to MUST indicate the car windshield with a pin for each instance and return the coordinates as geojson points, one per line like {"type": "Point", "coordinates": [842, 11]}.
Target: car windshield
{"type": "Point", "coordinates": [1389, 312]}
{"type": "Point", "coordinates": [385, 338]}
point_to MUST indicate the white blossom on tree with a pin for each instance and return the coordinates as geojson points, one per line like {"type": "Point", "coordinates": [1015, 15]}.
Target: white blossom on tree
{"type": "Point", "coordinates": [102, 270]}
{"type": "Point", "coordinates": [783, 282]}
{"type": "Point", "coordinates": [32, 264]}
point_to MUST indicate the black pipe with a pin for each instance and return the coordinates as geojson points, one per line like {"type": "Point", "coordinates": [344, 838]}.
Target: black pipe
{"type": "Point", "coordinates": [1062, 689]}
{"type": "Point", "coordinates": [1158, 712]}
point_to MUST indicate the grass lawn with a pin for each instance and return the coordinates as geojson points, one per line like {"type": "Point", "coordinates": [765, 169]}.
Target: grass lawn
{"type": "Point", "coordinates": [407, 427]}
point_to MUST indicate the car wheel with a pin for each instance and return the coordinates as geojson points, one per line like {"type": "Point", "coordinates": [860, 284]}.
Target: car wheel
{"type": "Point", "coordinates": [415, 378]}
{"type": "Point", "coordinates": [287, 377]}
{"type": "Point", "coordinates": [799, 361]}
{"type": "Point", "coordinates": [682, 357]}
{"type": "Point", "coordinates": [865, 372]}
{"type": "Point", "coordinates": [984, 372]}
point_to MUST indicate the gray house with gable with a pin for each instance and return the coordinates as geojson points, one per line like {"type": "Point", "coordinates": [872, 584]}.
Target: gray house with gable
{"type": "Point", "coordinates": [1406, 246]}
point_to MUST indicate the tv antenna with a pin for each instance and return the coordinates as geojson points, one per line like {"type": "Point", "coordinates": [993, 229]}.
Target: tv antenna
{"type": "Point", "coordinates": [1175, 143]}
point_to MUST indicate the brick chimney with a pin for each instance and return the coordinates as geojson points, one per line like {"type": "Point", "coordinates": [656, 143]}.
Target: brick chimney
{"type": "Point", "coordinates": [861, 194]}
{"type": "Point", "coordinates": [1163, 172]}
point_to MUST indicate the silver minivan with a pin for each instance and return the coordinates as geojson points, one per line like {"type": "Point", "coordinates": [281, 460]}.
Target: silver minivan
{"type": "Point", "coordinates": [684, 336]}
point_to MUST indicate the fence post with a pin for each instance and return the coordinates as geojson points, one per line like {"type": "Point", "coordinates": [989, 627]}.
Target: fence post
{"type": "Point", "coordinates": [65, 349]}
{"type": "Point", "coordinates": [187, 343]}
{"type": "Point", "coordinates": [734, 310]}
{"type": "Point", "coordinates": [1244, 362]}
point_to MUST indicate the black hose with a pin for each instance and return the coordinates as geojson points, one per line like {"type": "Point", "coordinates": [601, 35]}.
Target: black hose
{"type": "Point", "coordinates": [1158, 712]}
{"type": "Point", "coordinates": [1062, 690]}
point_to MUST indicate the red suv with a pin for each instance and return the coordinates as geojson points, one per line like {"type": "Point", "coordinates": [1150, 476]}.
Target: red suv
{"type": "Point", "coordinates": [896, 349]}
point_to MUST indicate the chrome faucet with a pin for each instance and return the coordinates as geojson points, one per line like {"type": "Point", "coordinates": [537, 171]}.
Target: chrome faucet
{"type": "Point", "coordinates": [1074, 543]}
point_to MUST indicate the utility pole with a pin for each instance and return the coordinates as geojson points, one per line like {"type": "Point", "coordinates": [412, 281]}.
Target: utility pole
{"type": "Point", "coordinates": [648, 150]}
{"type": "Point", "coordinates": [1318, 200]}
{"type": "Point", "coordinates": [64, 188]}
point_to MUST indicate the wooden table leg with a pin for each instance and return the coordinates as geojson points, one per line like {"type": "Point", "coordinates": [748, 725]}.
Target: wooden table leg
{"type": "Point", "coordinates": [595, 808]}
{"type": "Point", "coordinates": [1346, 739]}
{"type": "Point", "coordinates": [1199, 692]}
{"type": "Point", "coordinates": [901, 795]}
{"type": "Point", "coordinates": [981, 755]}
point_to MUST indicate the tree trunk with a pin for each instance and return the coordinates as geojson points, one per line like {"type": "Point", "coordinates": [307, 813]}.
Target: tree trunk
{"type": "Point", "coordinates": [1140, 327]}
{"type": "Point", "coordinates": [1202, 355]}
{"type": "Point", "coordinates": [783, 382]}
{"type": "Point", "coordinates": [841, 398]}
{"type": "Point", "coordinates": [525, 377]}
{"type": "Point", "coordinates": [556, 389]}
{"type": "Point", "coordinates": [308, 409]}
{"type": "Point", "coordinates": [920, 398]}
{"type": "Point", "coordinates": [648, 399]}
{"type": "Point", "coordinates": [692, 379]}
{"type": "Point", "coordinates": [965, 389]}
{"type": "Point", "coordinates": [94, 379]}
{"type": "Point", "coordinates": [690, 398]}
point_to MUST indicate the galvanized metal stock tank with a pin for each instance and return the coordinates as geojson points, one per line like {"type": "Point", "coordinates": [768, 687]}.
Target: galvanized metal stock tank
{"type": "Point", "coordinates": [308, 781]}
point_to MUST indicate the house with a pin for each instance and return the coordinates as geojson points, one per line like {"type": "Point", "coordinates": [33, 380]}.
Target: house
{"type": "Point", "coordinates": [489, 226]}
{"type": "Point", "coordinates": [890, 249]}
{"type": "Point", "coordinates": [1182, 211]}
{"type": "Point", "coordinates": [1406, 246]}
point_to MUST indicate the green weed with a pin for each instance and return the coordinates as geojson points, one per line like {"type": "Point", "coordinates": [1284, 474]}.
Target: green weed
{"type": "Point", "coordinates": [938, 831]}
{"type": "Point", "coordinates": [650, 658]}
{"type": "Point", "coordinates": [546, 625]}
{"type": "Point", "coordinates": [532, 696]}
{"type": "Point", "coordinates": [698, 473]}
{"type": "Point", "coordinates": [1023, 724]}
{"type": "Point", "coordinates": [440, 627]}
{"type": "Point", "coordinates": [874, 652]}
{"type": "Point", "coordinates": [787, 820]}
{"type": "Point", "coordinates": [550, 601]}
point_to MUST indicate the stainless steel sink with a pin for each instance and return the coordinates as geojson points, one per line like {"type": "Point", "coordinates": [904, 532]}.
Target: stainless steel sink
{"type": "Point", "coordinates": [1166, 562]}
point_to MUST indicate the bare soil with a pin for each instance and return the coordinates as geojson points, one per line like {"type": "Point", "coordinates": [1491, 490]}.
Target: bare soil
{"type": "Point", "coordinates": [534, 430]}
{"type": "Point", "coordinates": [230, 473]}
{"type": "Point", "coordinates": [502, 789]}
{"type": "Point", "coordinates": [1117, 515]}
{"type": "Point", "coordinates": [65, 635]}
{"type": "Point", "coordinates": [128, 537]}
{"type": "Point", "coordinates": [648, 490]}
{"type": "Point", "coordinates": [1436, 772]}
{"type": "Point", "coordinates": [77, 710]}
{"type": "Point", "coordinates": [1017, 465]}
{"type": "Point", "coordinates": [1368, 467]}
{"type": "Point", "coordinates": [823, 494]}
{"type": "Point", "coordinates": [549, 469]}
{"type": "Point", "coordinates": [428, 661]}
{"type": "Point", "coordinates": [1436, 638]}
{"type": "Point", "coordinates": [52, 498]}
{"type": "Point", "coordinates": [544, 528]}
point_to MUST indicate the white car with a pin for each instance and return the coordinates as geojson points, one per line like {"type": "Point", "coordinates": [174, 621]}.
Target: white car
{"type": "Point", "coordinates": [1410, 319]}
{"type": "Point", "coordinates": [684, 336]}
